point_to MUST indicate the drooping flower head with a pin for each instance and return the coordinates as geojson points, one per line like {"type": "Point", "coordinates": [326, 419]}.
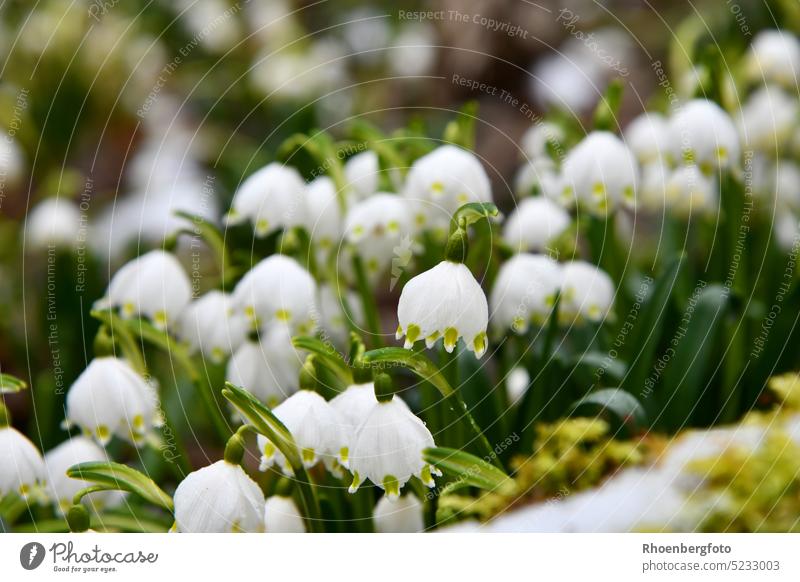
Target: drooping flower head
{"type": "Point", "coordinates": [325, 222]}
{"type": "Point", "coordinates": [21, 466]}
{"type": "Point", "coordinates": [702, 133]}
{"type": "Point", "coordinates": [689, 191]}
{"type": "Point", "coordinates": [211, 325]}
{"type": "Point", "coordinates": [534, 223]}
{"type": "Point", "coordinates": [362, 173]}
{"type": "Point", "coordinates": [648, 138]}
{"type": "Point", "coordinates": [282, 516]}
{"type": "Point", "coordinates": [110, 398]}
{"type": "Point", "coordinates": [219, 498]}
{"type": "Point", "coordinates": [377, 227]}
{"type": "Point", "coordinates": [403, 515]}
{"type": "Point", "coordinates": [524, 292]}
{"type": "Point", "coordinates": [53, 222]}
{"type": "Point", "coordinates": [774, 58]}
{"type": "Point", "coordinates": [587, 292]}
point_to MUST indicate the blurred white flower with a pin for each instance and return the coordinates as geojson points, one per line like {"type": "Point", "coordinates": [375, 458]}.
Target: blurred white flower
{"type": "Point", "coordinates": [110, 398]}
{"type": "Point", "coordinates": [268, 368]}
{"type": "Point", "coordinates": [153, 285]}
{"type": "Point", "coordinates": [787, 231]}
{"type": "Point", "coordinates": [12, 160]}
{"type": "Point", "coordinates": [53, 222]}
{"type": "Point", "coordinates": [367, 32]}
{"type": "Point", "coordinates": [774, 57]}
{"type": "Point", "coordinates": [277, 289]}
{"type": "Point", "coordinates": [77, 449]}
{"type": "Point", "coordinates": [517, 383]}
{"type": "Point", "coordinates": [524, 291]}
{"type": "Point", "coordinates": [534, 223]}
{"type": "Point", "coordinates": [413, 51]}
{"type": "Point", "coordinates": [586, 292]}
{"type": "Point", "coordinates": [689, 191]}
{"type": "Point", "coordinates": [210, 325]}
{"type": "Point", "coordinates": [219, 498]}
{"type": "Point", "coordinates": [535, 140]}
{"type": "Point", "coordinates": [701, 133]}
{"type": "Point", "coordinates": [767, 119]}
{"type": "Point", "coordinates": [647, 136]}
{"type": "Point", "coordinates": [272, 198]}
{"type": "Point", "coordinates": [602, 173]}
{"type": "Point", "coordinates": [362, 172]}
{"type": "Point", "coordinates": [440, 182]}
{"type": "Point", "coordinates": [318, 431]}
{"type": "Point", "coordinates": [282, 516]}
{"type": "Point", "coordinates": [388, 448]}
{"type": "Point", "coordinates": [333, 319]}
{"type": "Point", "coordinates": [21, 466]}
{"type": "Point", "coordinates": [444, 302]}
{"type": "Point", "coordinates": [787, 185]}
{"type": "Point", "coordinates": [653, 186]}
{"type": "Point", "coordinates": [403, 515]}
{"type": "Point", "coordinates": [376, 228]}
{"type": "Point", "coordinates": [212, 22]}
{"type": "Point", "coordinates": [540, 177]}
{"type": "Point", "coordinates": [325, 223]}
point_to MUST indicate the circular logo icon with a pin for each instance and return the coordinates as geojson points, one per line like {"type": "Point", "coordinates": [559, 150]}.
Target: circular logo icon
{"type": "Point", "coordinates": [31, 555]}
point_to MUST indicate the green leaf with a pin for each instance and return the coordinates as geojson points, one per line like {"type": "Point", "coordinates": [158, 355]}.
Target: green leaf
{"type": "Point", "coordinates": [472, 212]}
{"type": "Point", "coordinates": [10, 384]}
{"type": "Point", "coordinates": [684, 378]}
{"type": "Point", "coordinates": [461, 131]}
{"type": "Point", "coordinates": [469, 470]}
{"type": "Point", "coordinates": [112, 475]}
{"type": "Point", "coordinates": [622, 404]}
{"type": "Point", "coordinates": [593, 362]}
{"type": "Point", "coordinates": [213, 238]}
{"type": "Point", "coordinates": [327, 355]}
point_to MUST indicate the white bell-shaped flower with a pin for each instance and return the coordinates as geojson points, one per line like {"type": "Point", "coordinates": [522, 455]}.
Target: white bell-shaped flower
{"type": "Point", "coordinates": [268, 368]}
{"type": "Point", "coordinates": [536, 140]}
{"type": "Point", "coordinates": [75, 450]}
{"type": "Point", "coordinates": [524, 291]}
{"type": "Point", "coordinates": [388, 448]}
{"type": "Point", "coordinates": [272, 198]}
{"type": "Point", "coordinates": [689, 191]}
{"type": "Point", "coordinates": [653, 186]}
{"type": "Point", "coordinates": [362, 173]}
{"type": "Point", "coordinates": [219, 498]}
{"type": "Point", "coordinates": [354, 406]}
{"type": "Point", "coordinates": [110, 398]}
{"type": "Point", "coordinates": [54, 222]}
{"type": "Point", "coordinates": [787, 231]}
{"type": "Point", "coordinates": [774, 57]}
{"type": "Point", "coordinates": [403, 515]}
{"type": "Point", "coordinates": [444, 302]}
{"type": "Point", "coordinates": [534, 223]}
{"type": "Point", "coordinates": [539, 177]}
{"type": "Point", "coordinates": [21, 465]}
{"type": "Point", "coordinates": [601, 172]}
{"type": "Point", "coordinates": [787, 185]}
{"type": "Point", "coordinates": [277, 289]}
{"type": "Point", "coordinates": [211, 326]}
{"type": "Point", "coordinates": [440, 182]}
{"type": "Point", "coordinates": [517, 383]}
{"type": "Point", "coordinates": [377, 227]}
{"type": "Point", "coordinates": [325, 222]}
{"type": "Point", "coordinates": [317, 428]}
{"type": "Point", "coordinates": [648, 138]}
{"type": "Point", "coordinates": [153, 285]}
{"type": "Point", "coordinates": [333, 318]}
{"type": "Point", "coordinates": [768, 119]}
{"type": "Point", "coordinates": [282, 516]}
{"type": "Point", "coordinates": [587, 292]}
{"type": "Point", "coordinates": [702, 133]}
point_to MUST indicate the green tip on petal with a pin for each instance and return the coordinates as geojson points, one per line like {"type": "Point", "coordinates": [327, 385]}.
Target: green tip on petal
{"type": "Point", "coordinates": [412, 334]}
{"type": "Point", "coordinates": [355, 483]}
{"type": "Point", "coordinates": [479, 344]}
{"type": "Point", "coordinates": [392, 487]}
{"type": "Point", "coordinates": [450, 339]}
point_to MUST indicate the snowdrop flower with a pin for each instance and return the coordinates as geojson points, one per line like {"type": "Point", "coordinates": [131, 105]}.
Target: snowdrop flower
{"type": "Point", "coordinates": [586, 292]}
{"type": "Point", "coordinates": [689, 191]}
{"type": "Point", "coordinates": [442, 181]}
{"type": "Point", "coordinates": [354, 406]}
{"type": "Point", "coordinates": [367, 33]}
{"type": "Point", "coordinates": [277, 289]}
{"type": "Point", "coordinates": [787, 231]}
{"type": "Point", "coordinates": [212, 22]}
{"type": "Point", "coordinates": [445, 301]}
{"type": "Point", "coordinates": [210, 324]}
{"type": "Point", "coordinates": [376, 227]}
{"type": "Point", "coordinates": [317, 430]}
{"type": "Point", "coordinates": [110, 398]}
{"type": "Point", "coordinates": [12, 161]}
{"type": "Point", "coordinates": [403, 515]}
{"type": "Point", "coordinates": [540, 177]}
{"type": "Point", "coordinates": [388, 447]}
{"type": "Point", "coordinates": [219, 498]}
{"type": "Point", "coordinates": [269, 368]}
{"type": "Point", "coordinates": [535, 141]}
{"type": "Point", "coordinates": [53, 222]}
{"type": "Point", "coordinates": [534, 223]}
{"type": "Point", "coordinates": [648, 138]}
{"type": "Point", "coordinates": [601, 173]}
{"type": "Point", "coordinates": [21, 466]}
{"type": "Point", "coordinates": [282, 516]}
{"type": "Point", "coordinates": [153, 285]}
{"type": "Point", "coordinates": [413, 51]}
{"type": "Point", "coordinates": [334, 320]}
{"type": "Point", "coordinates": [272, 198]}
{"type": "Point", "coordinates": [324, 214]}
{"type": "Point", "coordinates": [362, 173]}
{"type": "Point", "coordinates": [652, 190]}
{"type": "Point", "coordinates": [702, 133]}
{"type": "Point", "coordinates": [524, 292]}
{"type": "Point", "coordinates": [774, 57]}
{"type": "Point", "coordinates": [768, 118]}
{"type": "Point", "coordinates": [517, 383]}
{"type": "Point", "coordinates": [78, 449]}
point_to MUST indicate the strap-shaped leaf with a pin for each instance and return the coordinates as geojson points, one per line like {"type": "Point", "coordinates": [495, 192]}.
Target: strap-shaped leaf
{"type": "Point", "coordinates": [326, 355]}
{"type": "Point", "coordinates": [622, 404]}
{"type": "Point", "coordinates": [472, 212]}
{"type": "Point", "coordinates": [10, 384]}
{"type": "Point", "coordinates": [110, 475]}
{"type": "Point", "coordinates": [469, 470]}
